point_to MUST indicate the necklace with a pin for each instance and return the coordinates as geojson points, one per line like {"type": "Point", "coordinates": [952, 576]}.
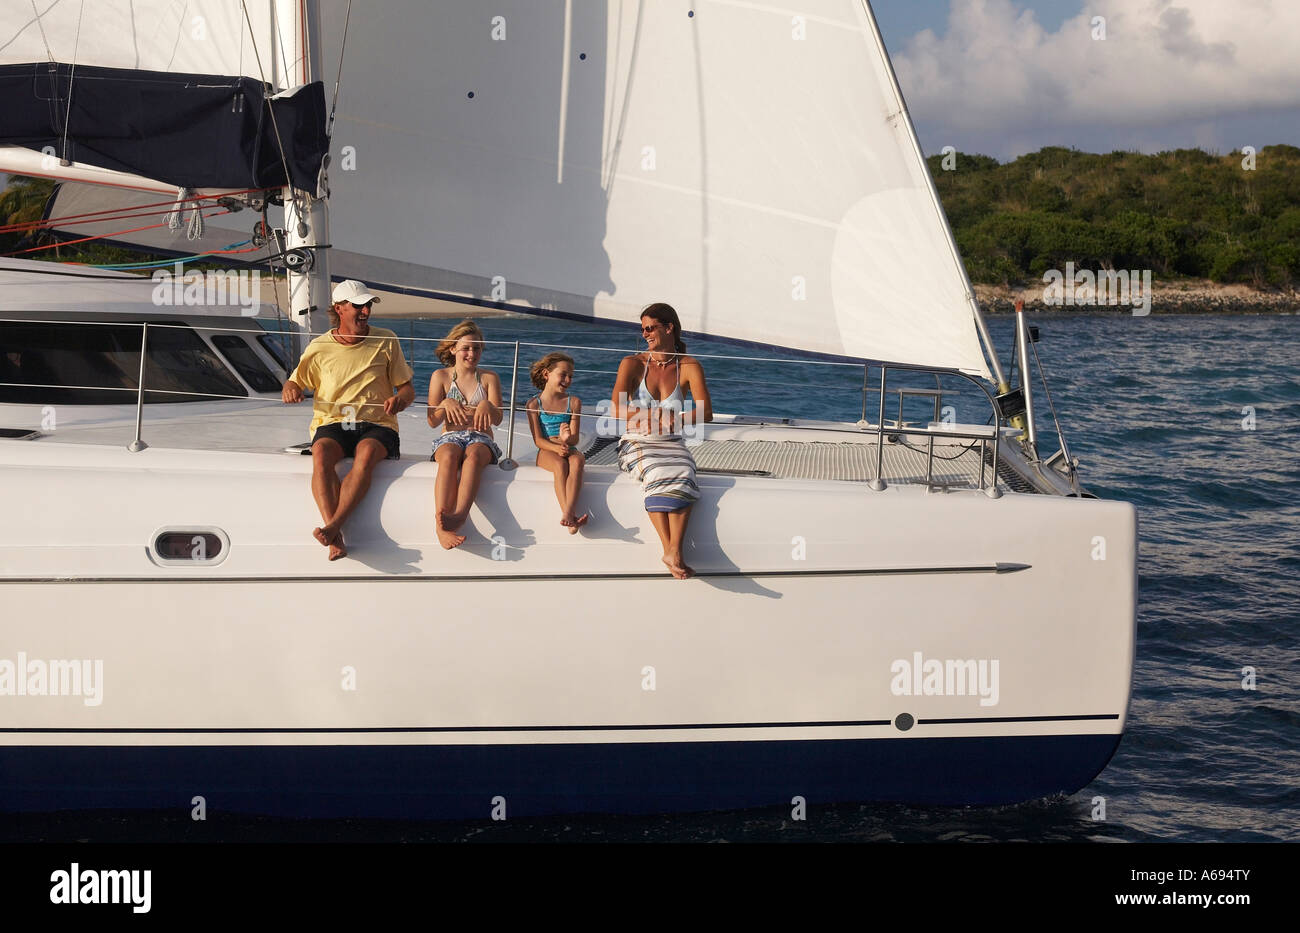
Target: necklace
{"type": "Point", "coordinates": [663, 363]}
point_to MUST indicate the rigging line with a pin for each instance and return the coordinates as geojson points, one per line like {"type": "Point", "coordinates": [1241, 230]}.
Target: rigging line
{"type": "Point", "coordinates": [177, 260]}
{"type": "Point", "coordinates": [275, 126]}
{"type": "Point", "coordinates": [116, 212]}
{"type": "Point", "coordinates": [99, 236]}
{"type": "Point", "coordinates": [281, 316]}
{"type": "Point", "coordinates": [41, 27]}
{"type": "Point", "coordinates": [338, 79]}
{"type": "Point", "coordinates": [67, 117]}
{"type": "Point", "coordinates": [1060, 436]}
{"type": "Point", "coordinates": [34, 226]}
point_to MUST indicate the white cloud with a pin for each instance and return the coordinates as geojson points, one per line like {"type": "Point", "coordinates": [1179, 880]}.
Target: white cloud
{"type": "Point", "coordinates": [1162, 62]}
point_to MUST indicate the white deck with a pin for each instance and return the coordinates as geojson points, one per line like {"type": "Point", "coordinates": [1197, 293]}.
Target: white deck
{"type": "Point", "coordinates": [803, 450]}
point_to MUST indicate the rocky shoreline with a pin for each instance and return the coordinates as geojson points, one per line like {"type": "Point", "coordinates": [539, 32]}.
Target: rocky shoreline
{"type": "Point", "coordinates": [1184, 297]}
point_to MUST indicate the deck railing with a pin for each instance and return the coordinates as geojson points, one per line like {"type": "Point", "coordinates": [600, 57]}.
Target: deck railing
{"type": "Point", "coordinates": [881, 429]}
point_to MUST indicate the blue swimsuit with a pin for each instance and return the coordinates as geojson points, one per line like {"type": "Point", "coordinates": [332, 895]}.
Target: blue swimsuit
{"type": "Point", "coordinates": [553, 421]}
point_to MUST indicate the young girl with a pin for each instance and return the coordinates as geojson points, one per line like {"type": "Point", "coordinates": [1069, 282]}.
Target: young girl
{"type": "Point", "coordinates": [553, 415]}
{"type": "Point", "coordinates": [467, 400]}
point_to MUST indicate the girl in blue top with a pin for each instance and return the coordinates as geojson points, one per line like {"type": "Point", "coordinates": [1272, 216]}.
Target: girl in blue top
{"type": "Point", "coordinates": [554, 415]}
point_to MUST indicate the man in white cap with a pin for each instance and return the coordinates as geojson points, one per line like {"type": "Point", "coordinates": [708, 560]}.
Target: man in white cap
{"type": "Point", "coordinates": [361, 381]}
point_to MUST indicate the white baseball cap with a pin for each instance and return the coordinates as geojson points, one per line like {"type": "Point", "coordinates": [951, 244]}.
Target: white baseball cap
{"type": "Point", "coordinates": [353, 291]}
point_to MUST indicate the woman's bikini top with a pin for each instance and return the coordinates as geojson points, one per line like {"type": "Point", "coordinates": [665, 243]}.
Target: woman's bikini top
{"type": "Point", "coordinates": [552, 421]}
{"type": "Point", "coordinates": [675, 397]}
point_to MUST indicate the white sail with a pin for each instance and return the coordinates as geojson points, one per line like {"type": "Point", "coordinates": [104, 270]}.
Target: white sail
{"type": "Point", "coordinates": [749, 164]}
{"type": "Point", "coordinates": [196, 37]}
{"type": "Point", "coordinates": [112, 83]}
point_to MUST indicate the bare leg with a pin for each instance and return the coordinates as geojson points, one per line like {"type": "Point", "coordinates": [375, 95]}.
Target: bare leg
{"type": "Point", "coordinates": [471, 472]}
{"type": "Point", "coordinates": [448, 457]}
{"type": "Point", "coordinates": [559, 467]}
{"type": "Point", "coordinates": [673, 563]}
{"type": "Point", "coordinates": [572, 489]}
{"type": "Point", "coordinates": [351, 491]}
{"type": "Point", "coordinates": [676, 535]}
{"type": "Point", "coordinates": [325, 457]}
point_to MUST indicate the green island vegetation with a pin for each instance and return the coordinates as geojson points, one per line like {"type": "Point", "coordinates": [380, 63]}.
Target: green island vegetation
{"type": "Point", "coordinates": [1181, 214]}
{"type": "Point", "coordinates": [1185, 213]}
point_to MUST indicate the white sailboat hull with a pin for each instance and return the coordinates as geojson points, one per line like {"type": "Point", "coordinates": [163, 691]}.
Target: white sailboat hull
{"type": "Point", "coordinates": [559, 672]}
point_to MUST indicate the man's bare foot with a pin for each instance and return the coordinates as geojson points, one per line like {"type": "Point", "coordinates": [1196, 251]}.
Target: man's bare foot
{"type": "Point", "coordinates": [338, 550]}
{"type": "Point", "coordinates": [325, 534]}
{"type": "Point", "coordinates": [446, 537]}
{"type": "Point", "coordinates": [677, 568]}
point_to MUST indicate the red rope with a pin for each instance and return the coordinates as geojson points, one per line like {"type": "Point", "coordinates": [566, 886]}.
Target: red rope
{"type": "Point", "coordinates": [34, 225]}
{"type": "Point", "coordinates": [117, 212]}
{"type": "Point", "coordinates": [100, 236]}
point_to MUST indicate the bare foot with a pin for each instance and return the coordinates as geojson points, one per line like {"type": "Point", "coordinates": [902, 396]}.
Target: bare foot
{"type": "Point", "coordinates": [446, 537]}
{"type": "Point", "coordinates": [454, 520]}
{"type": "Point", "coordinates": [325, 534]}
{"type": "Point", "coordinates": [579, 522]}
{"type": "Point", "coordinates": [449, 539]}
{"type": "Point", "coordinates": [675, 567]}
{"type": "Point", "coordinates": [338, 550]}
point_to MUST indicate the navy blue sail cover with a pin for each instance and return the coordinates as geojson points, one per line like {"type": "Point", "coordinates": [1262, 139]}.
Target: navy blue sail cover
{"type": "Point", "coordinates": [189, 130]}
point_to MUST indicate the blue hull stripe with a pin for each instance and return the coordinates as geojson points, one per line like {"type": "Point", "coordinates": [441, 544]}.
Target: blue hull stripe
{"type": "Point", "coordinates": [460, 781]}
{"type": "Point", "coordinates": [641, 727]}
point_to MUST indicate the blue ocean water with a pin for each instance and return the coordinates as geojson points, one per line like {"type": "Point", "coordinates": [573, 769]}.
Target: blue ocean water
{"type": "Point", "coordinates": [1192, 418]}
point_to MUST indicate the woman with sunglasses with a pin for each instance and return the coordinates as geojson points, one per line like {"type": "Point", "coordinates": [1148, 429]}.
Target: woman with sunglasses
{"type": "Point", "coordinates": [649, 393]}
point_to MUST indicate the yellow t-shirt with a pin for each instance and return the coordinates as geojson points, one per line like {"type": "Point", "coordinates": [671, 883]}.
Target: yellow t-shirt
{"type": "Point", "coordinates": [352, 382]}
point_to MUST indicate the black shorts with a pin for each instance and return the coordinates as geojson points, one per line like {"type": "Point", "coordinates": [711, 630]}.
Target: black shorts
{"type": "Point", "coordinates": [350, 433]}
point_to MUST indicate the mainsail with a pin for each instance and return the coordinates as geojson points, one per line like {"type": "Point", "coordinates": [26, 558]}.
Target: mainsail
{"type": "Point", "coordinates": [751, 165]}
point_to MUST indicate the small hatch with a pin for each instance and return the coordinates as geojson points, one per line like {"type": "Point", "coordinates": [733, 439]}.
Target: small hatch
{"type": "Point", "coordinates": [19, 434]}
{"type": "Point", "coordinates": [189, 546]}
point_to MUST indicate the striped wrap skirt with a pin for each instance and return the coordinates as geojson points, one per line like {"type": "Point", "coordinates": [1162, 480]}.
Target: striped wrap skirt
{"type": "Point", "coordinates": [665, 469]}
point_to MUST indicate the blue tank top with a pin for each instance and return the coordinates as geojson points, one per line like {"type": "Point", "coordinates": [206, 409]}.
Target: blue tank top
{"type": "Point", "coordinates": [552, 421]}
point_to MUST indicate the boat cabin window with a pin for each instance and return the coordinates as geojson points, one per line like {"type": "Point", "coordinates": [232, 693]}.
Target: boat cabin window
{"type": "Point", "coordinates": [102, 363]}
{"type": "Point", "coordinates": [272, 344]}
{"type": "Point", "coordinates": [246, 362]}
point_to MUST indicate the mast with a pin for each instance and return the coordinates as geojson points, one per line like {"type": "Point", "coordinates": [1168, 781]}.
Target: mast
{"type": "Point", "coordinates": [297, 58]}
{"type": "Point", "coordinates": [989, 350]}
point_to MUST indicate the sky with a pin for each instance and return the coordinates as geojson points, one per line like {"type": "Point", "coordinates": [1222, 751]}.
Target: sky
{"type": "Point", "coordinates": [1006, 77]}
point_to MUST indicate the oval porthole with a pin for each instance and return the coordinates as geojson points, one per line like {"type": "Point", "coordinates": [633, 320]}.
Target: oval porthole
{"type": "Point", "coordinates": [189, 546]}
